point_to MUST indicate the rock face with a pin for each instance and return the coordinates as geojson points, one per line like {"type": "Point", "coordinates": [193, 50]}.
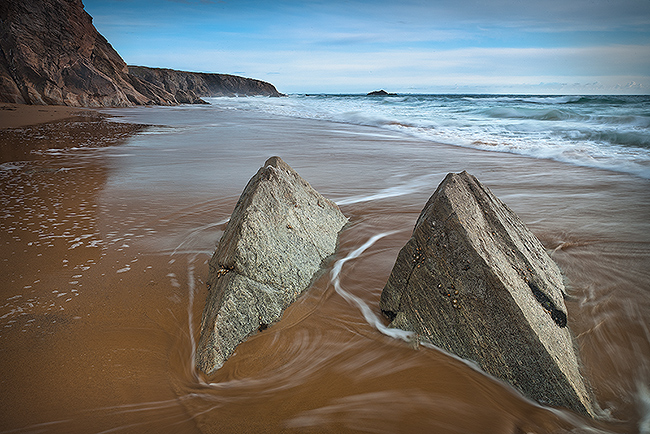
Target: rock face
{"type": "Point", "coordinates": [50, 53]}
{"type": "Point", "coordinates": [474, 281]}
{"type": "Point", "coordinates": [280, 233]}
{"type": "Point", "coordinates": [189, 87]}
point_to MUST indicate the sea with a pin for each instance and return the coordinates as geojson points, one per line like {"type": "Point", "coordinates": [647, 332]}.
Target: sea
{"type": "Point", "coordinates": [608, 132]}
{"type": "Point", "coordinates": [106, 245]}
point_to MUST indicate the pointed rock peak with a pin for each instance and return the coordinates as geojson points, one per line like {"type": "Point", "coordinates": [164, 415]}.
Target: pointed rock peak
{"type": "Point", "coordinates": [280, 234]}
{"type": "Point", "coordinates": [474, 281]}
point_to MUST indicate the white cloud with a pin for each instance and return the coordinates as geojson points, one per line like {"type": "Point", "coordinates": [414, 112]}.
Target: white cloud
{"type": "Point", "coordinates": [353, 45]}
{"type": "Point", "coordinates": [613, 67]}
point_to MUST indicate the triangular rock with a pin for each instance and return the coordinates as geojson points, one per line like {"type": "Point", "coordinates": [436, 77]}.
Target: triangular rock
{"type": "Point", "coordinates": [278, 236]}
{"type": "Point", "coordinates": [474, 281]}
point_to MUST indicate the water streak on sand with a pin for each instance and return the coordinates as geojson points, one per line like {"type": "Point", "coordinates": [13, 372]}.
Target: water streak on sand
{"type": "Point", "coordinates": [412, 186]}
{"type": "Point", "coordinates": [190, 312]}
{"type": "Point", "coordinates": [368, 314]}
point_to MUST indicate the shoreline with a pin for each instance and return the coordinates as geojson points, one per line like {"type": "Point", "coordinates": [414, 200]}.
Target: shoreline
{"type": "Point", "coordinates": [30, 132]}
{"type": "Point", "coordinates": [105, 256]}
{"type": "Point", "coordinates": [22, 115]}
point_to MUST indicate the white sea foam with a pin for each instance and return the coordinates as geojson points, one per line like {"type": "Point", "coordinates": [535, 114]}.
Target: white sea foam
{"type": "Point", "coordinates": [413, 186]}
{"type": "Point", "coordinates": [9, 166]}
{"type": "Point", "coordinates": [604, 132]}
{"type": "Point", "coordinates": [190, 313]}
{"type": "Point", "coordinates": [367, 313]}
{"type": "Point", "coordinates": [644, 398]}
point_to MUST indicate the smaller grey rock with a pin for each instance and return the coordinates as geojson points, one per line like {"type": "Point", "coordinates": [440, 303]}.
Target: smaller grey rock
{"type": "Point", "coordinates": [279, 235]}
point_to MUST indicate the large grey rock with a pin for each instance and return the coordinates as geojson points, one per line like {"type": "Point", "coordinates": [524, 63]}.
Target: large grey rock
{"type": "Point", "coordinates": [278, 237]}
{"type": "Point", "coordinates": [474, 281]}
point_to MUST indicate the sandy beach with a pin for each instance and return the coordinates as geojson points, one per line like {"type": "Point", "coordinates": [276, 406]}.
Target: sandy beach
{"type": "Point", "coordinates": [107, 228]}
{"type": "Point", "coordinates": [114, 198]}
{"type": "Point", "coordinates": [20, 115]}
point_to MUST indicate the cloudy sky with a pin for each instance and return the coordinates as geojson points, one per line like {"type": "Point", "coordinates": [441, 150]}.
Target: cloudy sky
{"type": "Point", "coordinates": [414, 46]}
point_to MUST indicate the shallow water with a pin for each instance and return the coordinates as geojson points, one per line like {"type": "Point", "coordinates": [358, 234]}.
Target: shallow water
{"type": "Point", "coordinates": [105, 255]}
{"type": "Point", "coordinates": [610, 132]}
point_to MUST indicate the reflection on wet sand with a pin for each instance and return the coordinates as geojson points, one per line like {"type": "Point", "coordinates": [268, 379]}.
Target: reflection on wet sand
{"type": "Point", "coordinates": [105, 250]}
{"type": "Point", "coordinates": [66, 351]}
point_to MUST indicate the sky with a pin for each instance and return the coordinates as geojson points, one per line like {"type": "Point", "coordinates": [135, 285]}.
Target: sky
{"type": "Point", "coordinates": [414, 46]}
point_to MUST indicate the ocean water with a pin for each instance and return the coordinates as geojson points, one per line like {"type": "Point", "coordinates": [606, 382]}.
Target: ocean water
{"type": "Point", "coordinates": [106, 244]}
{"type": "Point", "coordinates": [609, 132]}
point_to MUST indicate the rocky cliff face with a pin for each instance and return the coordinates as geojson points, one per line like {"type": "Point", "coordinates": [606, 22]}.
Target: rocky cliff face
{"type": "Point", "coordinates": [278, 236]}
{"type": "Point", "coordinates": [50, 53]}
{"type": "Point", "coordinates": [474, 281]}
{"type": "Point", "coordinates": [189, 87]}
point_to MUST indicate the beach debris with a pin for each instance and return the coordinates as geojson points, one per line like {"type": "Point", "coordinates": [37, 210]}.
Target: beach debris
{"type": "Point", "coordinates": [474, 281]}
{"type": "Point", "coordinates": [280, 234]}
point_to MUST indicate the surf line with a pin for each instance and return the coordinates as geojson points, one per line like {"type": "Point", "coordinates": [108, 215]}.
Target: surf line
{"type": "Point", "coordinates": [367, 313]}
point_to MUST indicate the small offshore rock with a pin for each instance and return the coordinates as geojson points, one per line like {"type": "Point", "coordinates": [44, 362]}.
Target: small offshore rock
{"type": "Point", "coordinates": [507, 312]}
{"type": "Point", "coordinates": [381, 92]}
{"type": "Point", "coordinates": [280, 235]}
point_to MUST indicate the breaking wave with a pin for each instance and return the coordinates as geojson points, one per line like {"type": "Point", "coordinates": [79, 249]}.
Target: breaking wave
{"type": "Point", "coordinates": [606, 132]}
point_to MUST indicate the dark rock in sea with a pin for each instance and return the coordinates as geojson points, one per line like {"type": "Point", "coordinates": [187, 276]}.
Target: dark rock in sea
{"type": "Point", "coordinates": [189, 87]}
{"type": "Point", "coordinates": [381, 93]}
{"type": "Point", "coordinates": [279, 236]}
{"type": "Point", "coordinates": [50, 53]}
{"type": "Point", "coordinates": [474, 281]}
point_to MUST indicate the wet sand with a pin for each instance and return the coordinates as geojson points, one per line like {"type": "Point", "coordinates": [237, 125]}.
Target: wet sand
{"type": "Point", "coordinates": [20, 115]}
{"type": "Point", "coordinates": [105, 253]}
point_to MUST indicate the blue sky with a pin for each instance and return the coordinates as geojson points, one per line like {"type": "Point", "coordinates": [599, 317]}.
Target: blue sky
{"type": "Point", "coordinates": [354, 46]}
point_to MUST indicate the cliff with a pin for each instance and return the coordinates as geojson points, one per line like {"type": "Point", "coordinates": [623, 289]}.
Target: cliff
{"type": "Point", "coordinates": [189, 87]}
{"type": "Point", "coordinates": [50, 53]}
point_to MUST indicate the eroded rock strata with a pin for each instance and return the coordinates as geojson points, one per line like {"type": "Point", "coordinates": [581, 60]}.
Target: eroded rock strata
{"type": "Point", "coordinates": [474, 281]}
{"type": "Point", "coordinates": [51, 53]}
{"type": "Point", "coordinates": [189, 87]}
{"type": "Point", "coordinates": [280, 233]}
